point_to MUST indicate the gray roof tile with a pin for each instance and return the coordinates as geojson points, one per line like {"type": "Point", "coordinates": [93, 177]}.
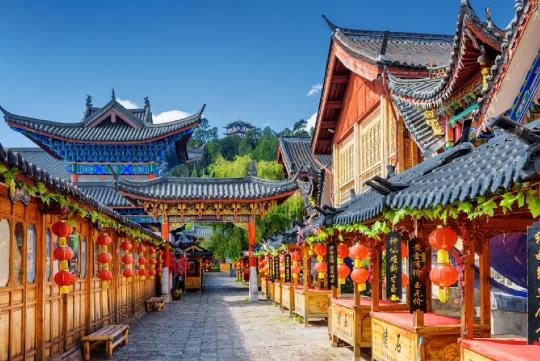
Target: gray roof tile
{"type": "Point", "coordinates": [105, 193]}
{"type": "Point", "coordinates": [37, 156]}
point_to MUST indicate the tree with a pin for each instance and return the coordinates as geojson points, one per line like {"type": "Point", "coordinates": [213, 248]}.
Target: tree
{"type": "Point", "coordinates": [270, 170]}
{"type": "Point", "coordinates": [299, 128]}
{"type": "Point", "coordinates": [203, 134]}
{"type": "Point", "coordinates": [267, 146]}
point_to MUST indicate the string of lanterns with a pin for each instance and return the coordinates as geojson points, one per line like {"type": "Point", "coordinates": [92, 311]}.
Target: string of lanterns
{"type": "Point", "coordinates": [342, 269]}
{"type": "Point", "coordinates": [295, 268]}
{"type": "Point", "coordinates": [104, 259]}
{"type": "Point", "coordinates": [63, 254]}
{"type": "Point", "coordinates": [359, 275]}
{"type": "Point", "coordinates": [152, 261]}
{"type": "Point", "coordinates": [127, 260]}
{"type": "Point", "coordinates": [142, 261]}
{"type": "Point", "coordinates": [443, 274]}
{"type": "Point", "coordinates": [321, 267]}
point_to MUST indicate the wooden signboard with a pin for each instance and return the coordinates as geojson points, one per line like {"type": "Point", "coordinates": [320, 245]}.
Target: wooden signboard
{"type": "Point", "coordinates": [391, 343]}
{"type": "Point", "coordinates": [331, 260]}
{"type": "Point", "coordinates": [417, 285]}
{"type": "Point", "coordinates": [271, 268]}
{"type": "Point", "coordinates": [287, 267]}
{"type": "Point", "coordinates": [393, 266]}
{"type": "Point", "coordinates": [276, 268]}
{"type": "Point", "coordinates": [533, 283]}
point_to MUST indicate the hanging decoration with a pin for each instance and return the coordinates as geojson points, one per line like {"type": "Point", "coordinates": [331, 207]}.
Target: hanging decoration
{"type": "Point", "coordinates": [321, 267]}
{"type": "Point", "coordinates": [127, 260]}
{"type": "Point", "coordinates": [443, 274]}
{"type": "Point", "coordinates": [295, 268]}
{"type": "Point", "coordinates": [152, 262]}
{"type": "Point", "coordinates": [104, 259]}
{"type": "Point", "coordinates": [160, 262]}
{"type": "Point", "coordinates": [142, 261]}
{"type": "Point", "coordinates": [342, 270]}
{"type": "Point", "coordinates": [359, 275]}
{"type": "Point", "coordinates": [63, 253]}
{"type": "Point", "coordinates": [281, 266]}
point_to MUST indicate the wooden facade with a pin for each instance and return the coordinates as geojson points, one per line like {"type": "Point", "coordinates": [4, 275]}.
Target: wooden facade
{"type": "Point", "coordinates": [36, 321]}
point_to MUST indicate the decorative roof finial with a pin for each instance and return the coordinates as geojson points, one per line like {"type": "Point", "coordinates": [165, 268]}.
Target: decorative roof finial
{"type": "Point", "coordinates": [489, 20]}
{"type": "Point", "coordinates": [465, 3]}
{"type": "Point", "coordinates": [113, 96]}
{"type": "Point", "coordinates": [88, 101]}
{"type": "Point", "coordinates": [146, 103]}
{"type": "Point", "coordinates": [330, 24]}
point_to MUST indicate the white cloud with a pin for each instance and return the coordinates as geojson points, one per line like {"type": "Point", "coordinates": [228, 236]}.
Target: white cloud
{"type": "Point", "coordinates": [314, 89]}
{"type": "Point", "coordinates": [169, 116]}
{"type": "Point", "coordinates": [311, 121]}
{"type": "Point", "coordinates": [128, 104]}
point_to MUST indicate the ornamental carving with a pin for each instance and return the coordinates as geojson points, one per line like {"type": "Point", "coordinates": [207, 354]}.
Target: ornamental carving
{"type": "Point", "coordinates": [433, 122]}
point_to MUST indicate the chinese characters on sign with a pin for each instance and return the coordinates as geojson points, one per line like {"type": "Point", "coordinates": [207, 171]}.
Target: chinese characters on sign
{"type": "Point", "coordinates": [417, 287]}
{"type": "Point", "coordinates": [393, 266]}
{"type": "Point", "coordinates": [287, 267]}
{"type": "Point", "coordinates": [331, 260]}
{"type": "Point", "coordinates": [271, 268]}
{"type": "Point", "coordinates": [533, 269]}
{"type": "Point", "coordinates": [276, 268]}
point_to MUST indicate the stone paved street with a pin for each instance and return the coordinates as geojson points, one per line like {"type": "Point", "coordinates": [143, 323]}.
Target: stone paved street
{"type": "Point", "coordinates": [221, 325]}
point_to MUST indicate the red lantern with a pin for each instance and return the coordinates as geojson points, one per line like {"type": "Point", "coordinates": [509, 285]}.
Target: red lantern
{"type": "Point", "coordinates": [126, 245]}
{"type": "Point", "coordinates": [127, 259]}
{"type": "Point", "coordinates": [63, 254]}
{"type": "Point", "coordinates": [320, 249]}
{"type": "Point", "coordinates": [151, 250]}
{"type": "Point", "coordinates": [64, 279]}
{"type": "Point", "coordinates": [104, 257]}
{"type": "Point", "coordinates": [152, 261]}
{"type": "Point", "coordinates": [443, 275]}
{"type": "Point", "coordinates": [128, 273]}
{"type": "Point", "coordinates": [404, 280]}
{"type": "Point", "coordinates": [343, 271]}
{"type": "Point", "coordinates": [296, 256]}
{"type": "Point", "coordinates": [62, 229]}
{"type": "Point", "coordinates": [295, 270]}
{"type": "Point", "coordinates": [142, 261]}
{"type": "Point", "coordinates": [142, 272]}
{"type": "Point", "coordinates": [321, 267]}
{"type": "Point", "coordinates": [443, 238]}
{"type": "Point", "coordinates": [358, 252]}
{"type": "Point", "coordinates": [104, 239]}
{"type": "Point", "coordinates": [151, 272]}
{"type": "Point", "coordinates": [141, 248]}
{"type": "Point", "coordinates": [342, 250]}
{"type": "Point", "coordinates": [105, 275]}
{"type": "Point", "coordinates": [360, 275]}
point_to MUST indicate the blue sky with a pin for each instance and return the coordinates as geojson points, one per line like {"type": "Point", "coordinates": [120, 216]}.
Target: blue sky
{"type": "Point", "coordinates": [250, 60]}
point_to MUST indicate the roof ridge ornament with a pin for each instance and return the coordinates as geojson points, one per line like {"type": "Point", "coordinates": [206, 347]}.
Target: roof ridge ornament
{"type": "Point", "coordinates": [330, 24]}
{"type": "Point", "coordinates": [113, 95]}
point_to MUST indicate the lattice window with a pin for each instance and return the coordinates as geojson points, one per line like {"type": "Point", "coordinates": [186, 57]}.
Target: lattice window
{"type": "Point", "coordinates": [346, 164]}
{"type": "Point", "coordinates": [371, 142]}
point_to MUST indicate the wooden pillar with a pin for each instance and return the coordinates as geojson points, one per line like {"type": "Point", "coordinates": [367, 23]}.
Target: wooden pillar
{"type": "Point", "coordinates": [467, 314]}
{"type": "Point", "coordinates": [253, 288]}
{"type": "Point", "coordinates": [165, 275]}
{"type": "Point", "coordinates": [427, 280]}
{"type": "Point", "coordinates": [375, 278]}
{"type": "Point", "coordinates": [306, 267]}
{"type": "Point", "coordinates": [485, 287]}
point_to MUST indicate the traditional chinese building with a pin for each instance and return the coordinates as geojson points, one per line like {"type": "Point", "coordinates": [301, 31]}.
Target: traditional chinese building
{"type": "Point", "coordinates": [109, 141]}
{"type": "Point", "coordinates": [238, 128]}
{"type": "Point", "coordinates": [356, 122]}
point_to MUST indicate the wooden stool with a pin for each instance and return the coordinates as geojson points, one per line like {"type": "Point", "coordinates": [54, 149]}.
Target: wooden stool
{"type": "Point", "coordinates": [112, 335]}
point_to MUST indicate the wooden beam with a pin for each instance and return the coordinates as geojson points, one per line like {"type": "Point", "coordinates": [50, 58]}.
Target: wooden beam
{"type": "Point", "coordinates": [485, 287]}
{"type": "Point", "coordinates": [376, 278]}
{"type": "Point", "coordinates": [467, 313]}
{"type": "Point", "coordinates": [340, 79]}
{"type": "Point", "coordinates": [333, 104]}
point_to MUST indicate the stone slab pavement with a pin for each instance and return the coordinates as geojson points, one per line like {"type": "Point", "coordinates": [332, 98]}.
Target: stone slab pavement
{"type": "Point", "coordinates": [220, 324]}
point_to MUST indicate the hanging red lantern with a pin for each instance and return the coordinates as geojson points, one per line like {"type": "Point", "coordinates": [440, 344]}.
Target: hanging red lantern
{"type": "Point", "coordinates": [321, 267]}
{"type": "Point", "coordinates": [151, 250]}
{"type": "Point", "coordinates": [126, 246]}
{"type": "Point", "coordinates": [296, 256]}
{"type": "Point", "coordinates": [359, 275]}
{"type": "Point", "coordinates": [320, 249]}
{"type": "Point", "coordinates": [343, 271]}
{"type": "Point", "coordinates": [342, 251]}
{"type": "Point", "coordinates": [104, 239]}
{"type": "Point", "coordinates": [142, 273]}
{"type": "Point", "coordinates": [404, 280]}
{"type": "Point", "coordinates": [63, 253]}
{"type": "Point", "coordinates": [104, 259]}
{"type": "Point", "coordinates": [141, 248]}
{"type": "Point", "coordinates": [127, 259]}
{"type": "Point", "coordinates": [295, 270]}
{"type": "Point", "coordinates": [358, 252]}
{"type": "Point", "coordinates": [443, 274]}
{"type": "Point", "coordinates": [443, 238]}
{"type": "Point", "coordinates": [128, 273]}
{"type": "Point", "coordinates": [142, 263]}
{"type": "Point", "coordinates": [152, 262]}
{"type": "Point", "coordinates": [105, 276]}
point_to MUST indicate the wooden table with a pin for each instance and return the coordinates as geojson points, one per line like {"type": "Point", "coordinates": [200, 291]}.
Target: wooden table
{"type": "Point", "coordinates": [503, 349]}
{"type": "Point", "coordinates": [311, 303]}
{"type": "Point", "coordinates": [395, 338]}
{"type": "Point", "coordinates": [112, 335]}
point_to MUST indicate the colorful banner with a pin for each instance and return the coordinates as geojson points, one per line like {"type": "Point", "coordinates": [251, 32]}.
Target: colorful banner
{"type": "Point", "coordinates": [533, 283]}
{"type": "Point", "coordinates": [417, 285]}
{"type": "Point", "coordinates": [287, 267]}
{"type": "Point", "coordinates": [276, 268]}
{"type": "Point", "coordinates": [271, 269]}
{"type": "Point", "coordinates": [393, 266]}
{"type": "Point", "coordinates": [331, 260]}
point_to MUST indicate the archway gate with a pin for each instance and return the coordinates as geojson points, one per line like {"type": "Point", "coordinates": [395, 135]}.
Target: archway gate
{"type": "Point", "coordinates": [185, 200]}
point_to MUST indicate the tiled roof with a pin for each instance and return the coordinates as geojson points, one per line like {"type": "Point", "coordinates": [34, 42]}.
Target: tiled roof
{"type": "Point", "coordinates": [297, 155]}
{"type": "Point", "coordinates": [394, 48]}
{"type": "Point", "coordinates": [226, 189]}
{"type": "Point", "coordinates": [37, 156]}
{"type": "Point", "coordinates": [105, 131]}
{"type": "Point", "coordinates": [12, 159]}
{"type": "Point", "coordinates": [103, 192]}
{"type": "Point", "coordinates": [420, 130]}
{"type": "Point", "coordinates": [490, 168]}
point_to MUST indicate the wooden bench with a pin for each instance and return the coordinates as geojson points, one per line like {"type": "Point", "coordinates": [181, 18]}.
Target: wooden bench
{"type": "Point", "coordinates": [155, 304]}
{"type": "Point", "coordinates": [112, 335]}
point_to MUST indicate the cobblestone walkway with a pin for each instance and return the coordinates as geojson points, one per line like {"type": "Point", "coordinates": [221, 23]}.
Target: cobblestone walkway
{"type": "Point", "coordinates": [219, 324]}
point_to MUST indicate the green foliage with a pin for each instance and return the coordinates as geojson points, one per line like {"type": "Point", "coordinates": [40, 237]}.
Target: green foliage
{"type": "Point", "coordinates": [222, 168]}
{"type": "Point", "coordinates": [270, 170]}
{"type": "Point", "coordinates": [227, 241]}
{"type": "Point", "coordinates": [280, 217]}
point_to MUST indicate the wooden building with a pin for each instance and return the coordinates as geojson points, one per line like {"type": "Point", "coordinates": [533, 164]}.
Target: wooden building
{"type": "Point", "coordinates": [194, 274]}
{"type": "Point", "coordinates": [37, 322]}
